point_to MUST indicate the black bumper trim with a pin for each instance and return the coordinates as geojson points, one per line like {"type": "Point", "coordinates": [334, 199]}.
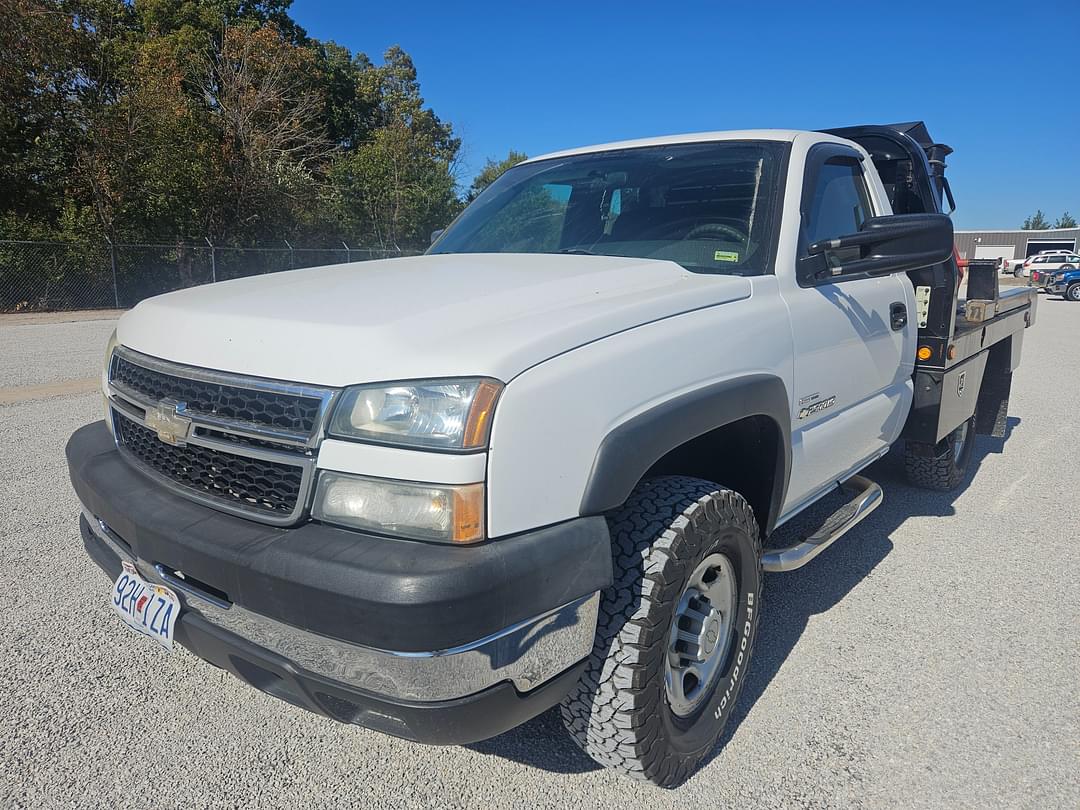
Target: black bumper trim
{"type": "Point", "coordinates": [449, 722]}
{"type": "Point", "coordinates": [364, 589]}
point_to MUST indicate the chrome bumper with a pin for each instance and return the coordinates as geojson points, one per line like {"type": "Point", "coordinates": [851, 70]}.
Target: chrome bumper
{"type": "Point", "coordinates": [526, 654]}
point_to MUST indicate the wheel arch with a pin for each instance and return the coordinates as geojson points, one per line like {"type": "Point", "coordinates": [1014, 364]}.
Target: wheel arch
{"type": "Point", "coordinates": [735, 432]}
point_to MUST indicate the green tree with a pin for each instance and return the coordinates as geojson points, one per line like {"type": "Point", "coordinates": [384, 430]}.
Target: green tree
{"type": "Point", "coordinates": [398, 185]}
{"type": "Point", "coordinates": [267, 112]}
{"type": "Point", "coordinates": [350, 100]}
{"type": "Point", "coordinates": [149, 164]}
{"type": "Point", "coordinates": [1066, 220]}
{"type": "Point", "coordinates": [40, 127]}
{"type": "Point", "coordinates": [493, 169]}
{"type": "Point", "coordinates": [170, 120]}
{"type": "Point", "coordinates": [1036, 222]}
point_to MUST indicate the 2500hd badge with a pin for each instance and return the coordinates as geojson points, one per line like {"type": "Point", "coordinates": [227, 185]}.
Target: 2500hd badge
{"type": "Point", "coordinates": [817, 407]}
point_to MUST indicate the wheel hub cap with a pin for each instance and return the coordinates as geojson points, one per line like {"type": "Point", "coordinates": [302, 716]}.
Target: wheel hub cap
{"type": "Point", "coordinates": [700, 635]}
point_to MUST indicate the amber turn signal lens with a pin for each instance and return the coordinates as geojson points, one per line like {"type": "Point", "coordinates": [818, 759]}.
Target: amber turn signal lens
{"type": "Point", "coordinates": [952, 353]}
{"type": "Point", "coordinates": [468, 525]}
{"type": "Point", "coordinates": [478, 424]}
{"type": "Point", "coordinates": [925, 353]}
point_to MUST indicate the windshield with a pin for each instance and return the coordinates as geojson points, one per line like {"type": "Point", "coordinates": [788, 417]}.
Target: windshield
{"type": "Point", "coordinates": [707, 206]}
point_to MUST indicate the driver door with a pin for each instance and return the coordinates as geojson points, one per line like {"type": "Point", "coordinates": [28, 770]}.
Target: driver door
{"type": "Point", "coordinates": [853, 363]}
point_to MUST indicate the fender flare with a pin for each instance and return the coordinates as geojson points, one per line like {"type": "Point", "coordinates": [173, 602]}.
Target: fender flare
{"type": "Point", "coordinates": [630, 449]}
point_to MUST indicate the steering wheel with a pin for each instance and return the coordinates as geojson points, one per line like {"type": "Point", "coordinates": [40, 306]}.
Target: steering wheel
{"type": "Point", "coordinates": [716, 230]}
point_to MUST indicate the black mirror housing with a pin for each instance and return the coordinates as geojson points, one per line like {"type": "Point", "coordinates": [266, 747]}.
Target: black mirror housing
{"type": "Point", "coordinates": [891, 244]}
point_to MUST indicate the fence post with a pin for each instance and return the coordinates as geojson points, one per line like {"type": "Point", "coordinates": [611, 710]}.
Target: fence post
{"type": "Point", "coordinates": [112, 262]}
{"type": "Point", "coordinates": [348, 251]}
{"type": "Point", "coordinates": [213, 261]}
{"type": "Point", "coordinates": [292, 254]}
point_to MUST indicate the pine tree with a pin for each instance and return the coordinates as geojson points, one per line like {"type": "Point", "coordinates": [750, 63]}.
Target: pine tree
{"type": "Point", "coordinates": [1036, 222]}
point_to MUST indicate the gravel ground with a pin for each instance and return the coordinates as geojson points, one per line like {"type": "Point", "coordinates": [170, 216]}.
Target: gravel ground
{"type": "Point", "coordinates": [37, 353]}
{"type": "Point", "coordinates": [929, 659]}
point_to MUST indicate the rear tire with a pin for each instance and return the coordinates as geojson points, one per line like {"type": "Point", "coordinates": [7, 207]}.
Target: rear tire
{"type": "Point", "coordinates": [662, 621]}
{"type": "Point", "coordinates": [944, 469]}
{"type": "Point", "coordinates": [1072, 292]}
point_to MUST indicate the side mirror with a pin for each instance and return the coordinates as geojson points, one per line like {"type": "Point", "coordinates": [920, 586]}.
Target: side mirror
{"type": "Point", "coordinates": [891, 244]}
{"type": "Point", "coordinates": [436, 234]}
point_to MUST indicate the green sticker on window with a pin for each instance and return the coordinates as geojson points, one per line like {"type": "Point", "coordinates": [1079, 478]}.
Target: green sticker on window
{"type": "Point", "coordinates": [725, 256]}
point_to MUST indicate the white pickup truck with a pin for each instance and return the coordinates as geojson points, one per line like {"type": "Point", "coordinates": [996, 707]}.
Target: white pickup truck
{"type": "Point", "coordinates": [540, 464]}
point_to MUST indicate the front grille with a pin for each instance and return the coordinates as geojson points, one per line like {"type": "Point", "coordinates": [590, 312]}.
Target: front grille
{"type": "Point", "coordinates": [240, 481]}
{"type": "Point", "coordinates": [272, 409]}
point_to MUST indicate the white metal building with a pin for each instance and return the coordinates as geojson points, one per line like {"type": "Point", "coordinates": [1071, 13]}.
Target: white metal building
{"type": "Point", "coordinates": [1014, 244]}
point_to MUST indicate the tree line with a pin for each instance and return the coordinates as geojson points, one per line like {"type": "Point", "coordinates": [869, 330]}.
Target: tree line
{"type": "Point", "coordinates": [175, 120]}
{"type": "Point", "coordinates": [1039, 222]}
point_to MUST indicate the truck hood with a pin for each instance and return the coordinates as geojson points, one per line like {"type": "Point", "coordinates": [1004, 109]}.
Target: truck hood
{"type": "Point", "coordinates": [421, 317]}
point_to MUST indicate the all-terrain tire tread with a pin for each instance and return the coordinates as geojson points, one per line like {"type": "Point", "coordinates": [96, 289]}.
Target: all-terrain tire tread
{"type": "Point", "coordinates": [941, 472]}
{"type": "Point", "coordinates": [608, 713]}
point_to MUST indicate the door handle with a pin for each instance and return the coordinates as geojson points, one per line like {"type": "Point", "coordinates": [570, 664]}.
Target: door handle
{"type": "Point", "coordinates": [898, 316]}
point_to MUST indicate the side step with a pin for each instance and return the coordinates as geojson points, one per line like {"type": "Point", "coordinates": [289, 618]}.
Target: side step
{"type": "Point", "coordinates": [868, 498]}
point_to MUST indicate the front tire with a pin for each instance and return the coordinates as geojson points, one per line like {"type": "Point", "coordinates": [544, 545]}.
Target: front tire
{"type": "Point", "coordinates": [944, 468]}
{"type": "Point", "coordinates": [675, 631]}
{"type": "Point", "coordinates": [1072, 292]}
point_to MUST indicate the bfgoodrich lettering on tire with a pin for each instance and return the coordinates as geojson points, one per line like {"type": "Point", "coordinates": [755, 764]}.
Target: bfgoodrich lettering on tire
{"type": "Point", "coordinates": [675, 632]}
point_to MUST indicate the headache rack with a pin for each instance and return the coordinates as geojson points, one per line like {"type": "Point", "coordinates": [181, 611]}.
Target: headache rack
{"type": "Point", "coordinates": [972, 345]}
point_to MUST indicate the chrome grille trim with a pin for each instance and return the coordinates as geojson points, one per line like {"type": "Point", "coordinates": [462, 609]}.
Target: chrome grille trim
{"type": "Point", "coordinates": [326, 397]}
{"type": "Point", "coordinates": [237, 427]}
{"type": "Point", "coordinates": [306, 465]}
{"type": "Point", "coordinates": [297, 449]}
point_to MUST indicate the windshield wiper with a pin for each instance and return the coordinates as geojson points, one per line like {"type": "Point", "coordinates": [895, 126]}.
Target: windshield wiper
{"type": "Point", "coordinates": [577, 252]}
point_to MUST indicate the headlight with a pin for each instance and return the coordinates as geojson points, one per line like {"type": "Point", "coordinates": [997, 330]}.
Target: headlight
{"type": "Point", "coordinates": [448, 414]}
{"type": "Point", "coordinates": [448, 514]}
{"type": "Point", "coordinates": [109, 347]}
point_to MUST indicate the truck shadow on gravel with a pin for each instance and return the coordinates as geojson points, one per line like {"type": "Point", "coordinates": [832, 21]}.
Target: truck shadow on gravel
{"type": "Point", "coordinates": [790, 600]}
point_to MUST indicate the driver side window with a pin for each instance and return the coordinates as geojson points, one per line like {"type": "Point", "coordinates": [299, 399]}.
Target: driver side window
{"type": "Point", "coordinates": [839, 203]}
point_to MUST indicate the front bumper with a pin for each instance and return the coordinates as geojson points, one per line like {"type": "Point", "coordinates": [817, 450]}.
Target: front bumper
{"type": "Point", "coordinates": [433, 643]}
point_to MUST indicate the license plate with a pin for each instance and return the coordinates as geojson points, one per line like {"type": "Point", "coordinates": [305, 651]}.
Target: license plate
{"type": "Point", "coordinates": [149, 609]}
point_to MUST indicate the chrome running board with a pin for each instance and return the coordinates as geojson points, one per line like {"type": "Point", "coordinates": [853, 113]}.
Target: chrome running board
{"type": "Point", "coordinates": [867, 499]}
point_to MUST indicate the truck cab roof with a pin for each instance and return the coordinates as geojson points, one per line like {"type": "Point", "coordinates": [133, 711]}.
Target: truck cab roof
{"type": "Point", "coordinates": [691, 137]}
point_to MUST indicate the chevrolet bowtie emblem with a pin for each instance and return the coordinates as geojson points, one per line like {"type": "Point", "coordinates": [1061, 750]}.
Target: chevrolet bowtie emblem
{"type": "Point", "coordinates": [168, 420]}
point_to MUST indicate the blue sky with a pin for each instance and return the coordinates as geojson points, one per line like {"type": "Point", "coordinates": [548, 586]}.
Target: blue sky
{"type": "Point", "coordinates": [997, 81]}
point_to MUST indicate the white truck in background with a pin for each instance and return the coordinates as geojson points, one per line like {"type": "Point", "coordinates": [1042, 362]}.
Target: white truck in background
{"type": "Point", "coordinates": [540, 464]}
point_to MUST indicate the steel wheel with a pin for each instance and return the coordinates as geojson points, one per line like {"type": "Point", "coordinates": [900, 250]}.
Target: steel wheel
{"type": "Point", "coordinates": [701, 633]}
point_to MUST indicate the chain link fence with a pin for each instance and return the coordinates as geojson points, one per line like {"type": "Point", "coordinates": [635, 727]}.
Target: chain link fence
{"type": "Point", "coordinates": [52, 276]}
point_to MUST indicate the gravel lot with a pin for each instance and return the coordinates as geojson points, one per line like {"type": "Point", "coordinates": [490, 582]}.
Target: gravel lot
{"type": "Point", "coordinates": [41, 353]}
{"type": "Point", "coordinates": [929, 659]}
